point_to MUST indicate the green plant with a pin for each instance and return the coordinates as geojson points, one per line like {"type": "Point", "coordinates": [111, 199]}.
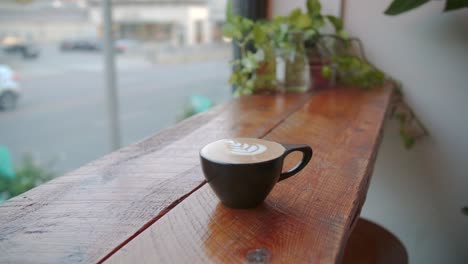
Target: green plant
{"type": "Point", "coordinates": [354, 71]}
{"type": "Point", "coordinates": [283, 26]}
{"type": "Point", "coordinates": [334, 50]}
{"type": "Point", "coordinates": [27, 176]}
{"type": "Point", "coordinates": [411, 129]}
{"type": "Point", "coordinates": [288, 34]}
{"type": "Point", "coordinates": [343, 61]}
{"type": "Point", "coordinates": [401, 6]}
{"type": "Point", "coordinates": [311, 23]}
{"type": "Point", "coordinates": [253, 71]}
{"type": "Point", "coordinates": [256, 70]}
{"type": "Point", "coordinates": [408, 140]}
{"type": "Point", "coordinates": [319, 21]}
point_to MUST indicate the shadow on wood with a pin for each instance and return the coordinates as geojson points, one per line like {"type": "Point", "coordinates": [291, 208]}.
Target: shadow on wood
{"type": "Point", "coordinates": [370, 243]}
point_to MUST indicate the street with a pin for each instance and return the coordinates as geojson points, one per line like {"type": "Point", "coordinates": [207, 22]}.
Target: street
{"type": "Point", "coordinates": [61, 117]}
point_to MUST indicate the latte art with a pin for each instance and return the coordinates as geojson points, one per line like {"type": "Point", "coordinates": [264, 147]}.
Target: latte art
{"type": "Point", "coordinates": [242, 150]}
{"type": "Point", "coordinates": [238, 148]}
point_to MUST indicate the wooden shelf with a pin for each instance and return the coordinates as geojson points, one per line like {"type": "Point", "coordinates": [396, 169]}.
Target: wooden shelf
{"type": "Point", "coordinates": [148, 202]}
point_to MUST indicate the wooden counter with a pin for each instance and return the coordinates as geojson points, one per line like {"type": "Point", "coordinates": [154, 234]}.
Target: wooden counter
{"type": "Point", "coordinates": [148, 202]}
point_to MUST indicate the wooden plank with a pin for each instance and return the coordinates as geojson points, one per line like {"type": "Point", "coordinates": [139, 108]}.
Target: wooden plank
{"type": "Point", "coordinates": [306, 219]}
{"type": "Point", "coordinates": [84, 215]}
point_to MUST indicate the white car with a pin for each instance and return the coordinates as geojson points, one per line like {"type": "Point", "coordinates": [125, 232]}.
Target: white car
{"type": "Point", "coordinates": [9, 88]}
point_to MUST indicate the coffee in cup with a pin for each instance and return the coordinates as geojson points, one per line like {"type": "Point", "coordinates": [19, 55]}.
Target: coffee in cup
{"type": "Point", "coordinates": [243, 171]}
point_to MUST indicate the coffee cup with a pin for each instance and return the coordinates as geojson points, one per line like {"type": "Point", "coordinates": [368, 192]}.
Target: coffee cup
{"type": "Point", "coordinates": [243, 171]}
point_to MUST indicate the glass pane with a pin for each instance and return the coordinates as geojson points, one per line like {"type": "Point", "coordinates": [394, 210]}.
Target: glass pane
{"type": "Point", "coordinates": [171, 63]}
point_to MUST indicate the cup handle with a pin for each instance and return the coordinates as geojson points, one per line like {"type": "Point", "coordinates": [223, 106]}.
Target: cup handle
{"type": "Point", "coordinates": [306, 156]}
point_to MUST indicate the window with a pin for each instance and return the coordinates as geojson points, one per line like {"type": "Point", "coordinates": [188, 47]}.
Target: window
{"type": "Point", "coordinates": [169, 56]}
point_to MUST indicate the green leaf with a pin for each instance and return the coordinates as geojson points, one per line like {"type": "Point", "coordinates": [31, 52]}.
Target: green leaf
{"type": "Point", "coordinates": [284, 29]}
{"type": "Point", "coordinates": [295, 14]}
{"type": "Point", "coordinates": [455, 4]}
{"type": "Point", "coordinates": [313, 7]}
{"type": "Point", "coordinates": [408, 141]}
{"type": "Point", "coordinates": [299, 20]}
{"type": "Point", "coordinates": [249, 63]}
{"type": "Point", "coordinates": [246, 23]}
{"type": "Point", "coordinates": [336, 22]}
{"type": "Point", "coordinates": [354, 71]}
{"type": "Point", "coordinates": [310, 34]}
{"type": "Point", "coordinates": [234, 78]}
{"type": "Point", "coordinates": [230, 31]}
{"type": "Point", "coordinates": [355, 62]}
{"type": "Point", "coordinates": [400, 6]}
{"type": "Point", "coordinates": [259, 35]}
{"type": "Point", "coordinates": [303, 22]}
{"type": "Point", "coordinates": [279, 20]}
{"type": "Point", "coordinates": [343, 34]}
{"type": "Point", "coordinates": [326, 71]}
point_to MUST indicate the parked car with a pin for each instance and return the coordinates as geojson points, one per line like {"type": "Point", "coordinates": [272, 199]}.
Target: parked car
{"type": "Point", "coordinates": [25, 50]}
{"type": "Point", "coordinates": [80, 44]}
{"type": "Point", "coordinates": [9, 88]}
{"type": "Point", "coordinates": [89, 45]}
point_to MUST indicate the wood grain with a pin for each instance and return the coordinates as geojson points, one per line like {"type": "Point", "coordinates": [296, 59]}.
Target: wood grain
{"type": "Point", "coordinates": [83, 216]}
{"type": "Point", "coordinates": [306, 219]}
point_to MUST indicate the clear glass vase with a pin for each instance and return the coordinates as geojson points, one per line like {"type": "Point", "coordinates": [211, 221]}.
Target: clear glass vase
{"type": "Point", "coordinates": [297, 75]}
{"type": "Point", "coordinates": [265, 75]}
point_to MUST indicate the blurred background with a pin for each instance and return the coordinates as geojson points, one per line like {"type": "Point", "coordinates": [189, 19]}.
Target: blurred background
{"type": "Point", "coordinates": [172, 61]}
{"type": "Point", "coordinates": [169, 54]}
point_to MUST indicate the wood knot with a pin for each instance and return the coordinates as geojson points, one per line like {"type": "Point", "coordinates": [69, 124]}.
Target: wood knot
{"type": "Point", "coordinates": [257, 256]}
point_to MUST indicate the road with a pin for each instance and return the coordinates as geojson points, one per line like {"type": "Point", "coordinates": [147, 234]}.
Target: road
{"type": "Point", "coordinates": [61, 117]}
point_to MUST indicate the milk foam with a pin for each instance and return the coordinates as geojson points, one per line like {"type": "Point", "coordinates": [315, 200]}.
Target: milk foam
{"type": "Point", "coordinates": [242, 150]}
{"type": "Point", "coordinates": [238, 148]}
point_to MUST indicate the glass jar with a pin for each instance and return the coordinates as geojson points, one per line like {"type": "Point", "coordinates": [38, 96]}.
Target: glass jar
{"type": "Point", "coordinates": [297, 75]}
{"type": "Point", "coordinates": [265, 75]}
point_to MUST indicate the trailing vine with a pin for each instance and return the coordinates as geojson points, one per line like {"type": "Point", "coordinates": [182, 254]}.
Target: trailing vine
{"type": "Point", "coordinates": [411, 128]}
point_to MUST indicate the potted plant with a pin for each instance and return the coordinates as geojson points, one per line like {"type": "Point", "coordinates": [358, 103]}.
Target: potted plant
{"type": "Point", "coordinates": [288, 37]}
{"type": "Point", "coordinates": [331, 56]}
{"type": "Point", "coordinates": [254, 71]}
{"type": "Point", "coordinates": [331, 53]}
{"type": "Point", "coordinates": [316, 42]}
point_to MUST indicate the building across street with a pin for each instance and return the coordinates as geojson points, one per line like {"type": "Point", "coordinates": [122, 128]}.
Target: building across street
{"type": "Point", "coordinates": [172, 22]}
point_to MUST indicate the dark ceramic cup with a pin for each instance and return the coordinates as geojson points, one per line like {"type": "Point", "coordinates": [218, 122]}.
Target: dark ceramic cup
{"type": "Point", "coordinates": [243, 171]}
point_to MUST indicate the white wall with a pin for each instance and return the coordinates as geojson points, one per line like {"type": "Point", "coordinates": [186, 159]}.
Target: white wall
{"type": "Point", "coordinates": [282, 8]}
{"type": "Point", "coordinates": [417, 194]}
{"type": "Point", "coordinates": [428, 51]}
